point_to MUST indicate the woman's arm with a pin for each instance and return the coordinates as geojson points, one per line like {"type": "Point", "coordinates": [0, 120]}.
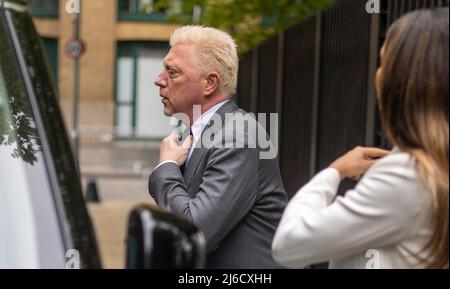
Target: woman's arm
{"type": "Point", "coordinates": [378, 212]}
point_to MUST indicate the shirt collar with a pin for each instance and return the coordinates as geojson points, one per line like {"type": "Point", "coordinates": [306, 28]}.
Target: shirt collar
{"type": "Point", "coordinates": [203, 120]}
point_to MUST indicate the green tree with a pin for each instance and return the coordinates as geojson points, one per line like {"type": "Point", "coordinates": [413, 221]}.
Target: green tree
{"type": "Point", "coordinates": [250, 22]}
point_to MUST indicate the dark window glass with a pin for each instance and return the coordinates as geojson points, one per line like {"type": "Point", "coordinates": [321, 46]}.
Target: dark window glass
{"type": "Point", "coordinates": [142, 6]}
{"type": "Point", "coordinates": [51, 49]}
{"type": "Point", "coordinates": [44, 8]}
{"type": "Point", "coordinates": [127, 6]}
{"type": "Point", "coordinates": [17, 127]}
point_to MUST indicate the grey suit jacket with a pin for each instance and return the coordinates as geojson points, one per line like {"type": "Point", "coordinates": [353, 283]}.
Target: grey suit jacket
{"type": "Point", "coordinates": [235, 198]}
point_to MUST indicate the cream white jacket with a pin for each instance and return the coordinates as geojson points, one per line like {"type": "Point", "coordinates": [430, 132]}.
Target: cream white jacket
{"type": "Point", "coordinates": [374, 226]}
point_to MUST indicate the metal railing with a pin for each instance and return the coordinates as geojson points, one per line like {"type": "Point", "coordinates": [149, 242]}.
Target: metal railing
{"type": "Point", "coordinates": [103, 151]}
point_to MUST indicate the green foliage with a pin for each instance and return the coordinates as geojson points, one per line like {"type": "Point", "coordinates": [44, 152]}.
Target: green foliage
{"type": "Point", "coordinates": [16, 125]}
{"type": "Point", "coordinates": [250, 22]}
{"type": "Point", "coordinates": [18, 131]}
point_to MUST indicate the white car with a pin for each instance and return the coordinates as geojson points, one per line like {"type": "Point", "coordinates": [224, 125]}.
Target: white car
{"type": "Point", "coordinates": [44, 222]}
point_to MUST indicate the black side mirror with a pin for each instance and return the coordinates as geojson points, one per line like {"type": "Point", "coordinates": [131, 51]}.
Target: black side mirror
{"type": "Point", "coordinates": [159, 240]}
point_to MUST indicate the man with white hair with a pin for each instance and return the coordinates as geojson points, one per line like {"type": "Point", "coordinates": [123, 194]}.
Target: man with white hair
{"type": "Point", "coordinates": [229, 192]}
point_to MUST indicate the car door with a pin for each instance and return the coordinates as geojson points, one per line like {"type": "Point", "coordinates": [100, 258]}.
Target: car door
{"type": "Point", "coordinates": [44, 222]}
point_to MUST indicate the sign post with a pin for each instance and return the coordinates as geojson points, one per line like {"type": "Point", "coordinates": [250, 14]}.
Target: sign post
{"type": "Point", "coordinates": [74, 49]}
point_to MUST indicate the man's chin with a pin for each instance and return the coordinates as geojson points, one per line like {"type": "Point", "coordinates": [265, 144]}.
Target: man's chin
{"type": "Point", "coordinates": [167, 112]}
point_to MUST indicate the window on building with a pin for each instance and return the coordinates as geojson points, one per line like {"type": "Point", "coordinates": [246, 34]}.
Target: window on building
{"type": "Point", "coordinates": [139, 111]}
{"type": "Point", "coordinates": [146, 10]}
{"type": "Point", "coordinates": [51, 50]}
{"type": "Point", "coordinates": [44, 8]}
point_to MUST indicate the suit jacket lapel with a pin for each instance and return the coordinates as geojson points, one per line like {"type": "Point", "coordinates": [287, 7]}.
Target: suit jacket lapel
{"type": "Point", "coordinates": [197, 153]}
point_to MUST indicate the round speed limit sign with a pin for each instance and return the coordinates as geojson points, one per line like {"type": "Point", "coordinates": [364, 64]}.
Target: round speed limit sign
{"type": "Point", "coordinates": [74, 48]}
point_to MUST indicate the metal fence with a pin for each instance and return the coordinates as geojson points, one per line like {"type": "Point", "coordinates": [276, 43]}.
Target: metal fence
{"type": "Point", "coordinates": [319, 76]}
{"type": "Point", "coordinates": [104, 152]}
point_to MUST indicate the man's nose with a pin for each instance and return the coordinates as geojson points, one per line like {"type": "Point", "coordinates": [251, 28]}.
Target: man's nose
{"type": "Point", "coordinates": [160, 81]}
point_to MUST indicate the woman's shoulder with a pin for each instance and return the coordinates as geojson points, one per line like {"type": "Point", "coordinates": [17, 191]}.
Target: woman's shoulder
{"type": "Point", "coordinates": [398, 164]}
{"type": "Point", "coordinates": [396, 182]}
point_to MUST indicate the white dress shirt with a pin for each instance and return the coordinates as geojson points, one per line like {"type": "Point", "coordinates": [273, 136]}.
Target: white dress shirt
{"type": "Point", "coordinates": [197, 129]}
{"type": "Point", "coordinates": [374, 226]}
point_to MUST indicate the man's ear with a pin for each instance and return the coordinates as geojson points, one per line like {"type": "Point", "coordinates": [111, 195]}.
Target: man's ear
{"type": "Point", "coordinates": [211, 83]}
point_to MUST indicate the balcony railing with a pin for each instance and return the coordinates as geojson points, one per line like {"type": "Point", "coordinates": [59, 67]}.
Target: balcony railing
{"type": "Point", "coordinates": [44, 8]}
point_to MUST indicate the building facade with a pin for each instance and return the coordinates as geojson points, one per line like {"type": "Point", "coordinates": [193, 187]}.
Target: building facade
{"type": "Point", "coordinates": [120, 115]}
{"type": "Point", "coordinates": [125, 43]}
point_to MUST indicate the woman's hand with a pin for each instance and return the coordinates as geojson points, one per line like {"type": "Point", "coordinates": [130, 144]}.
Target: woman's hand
{"type": "Point", "coordinates": [356, 162]}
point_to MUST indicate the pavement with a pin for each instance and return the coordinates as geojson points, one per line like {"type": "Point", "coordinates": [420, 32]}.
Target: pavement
{"type": "Point", "coordinates": [118, 195]}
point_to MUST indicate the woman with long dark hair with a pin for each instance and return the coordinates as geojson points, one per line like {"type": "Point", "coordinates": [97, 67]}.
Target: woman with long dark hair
{"type": "Point", "coordinates": [397, 215]}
